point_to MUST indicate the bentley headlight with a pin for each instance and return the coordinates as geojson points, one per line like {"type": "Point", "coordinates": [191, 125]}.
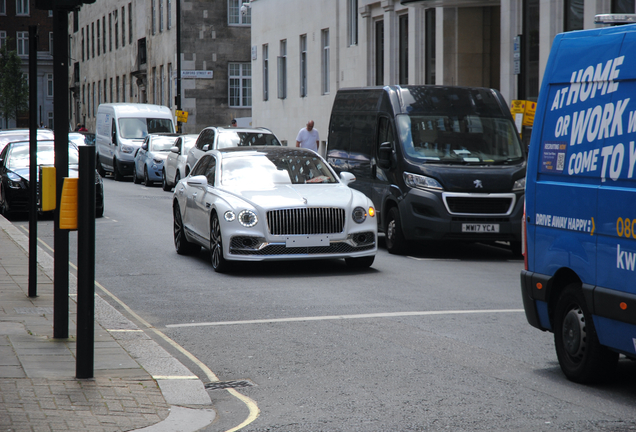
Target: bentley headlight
{"type": "Point", "coordinates": [421, 182]}
{"type": "Point", "coordinates": [248, 218]}
{"type": "Point", "coordinates": [359, 215]}
{"type": "Point", "coordinates": [229, 216]}
{"type": "Point", "coordinates": [519, 184]}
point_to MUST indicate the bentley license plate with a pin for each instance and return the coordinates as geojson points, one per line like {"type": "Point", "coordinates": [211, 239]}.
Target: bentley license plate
{"type": "Point", "coordinates": [307, 241]}
{"type": "Point", "coordinates": [480, 228]}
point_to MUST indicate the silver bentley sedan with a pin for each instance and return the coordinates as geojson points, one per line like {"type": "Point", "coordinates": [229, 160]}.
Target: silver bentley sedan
{"type": "Point", "coordinates": [272, 203]}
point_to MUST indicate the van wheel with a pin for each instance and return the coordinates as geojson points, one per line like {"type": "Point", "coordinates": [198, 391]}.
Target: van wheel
{"type": "Point", "coordinates": [99, 167]}
{"type": "Point", "coordinates": [581, 356]}
{"type": "Point", "coordinates": [515, 248]}
{"type": "Point", "coordinates": [116, 172]}
{"type": "Point", "coordinates": [395, 241]}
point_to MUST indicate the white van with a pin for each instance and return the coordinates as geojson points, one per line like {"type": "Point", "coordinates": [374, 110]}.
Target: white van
{"type": "Point", "coordinates": [120, 130]}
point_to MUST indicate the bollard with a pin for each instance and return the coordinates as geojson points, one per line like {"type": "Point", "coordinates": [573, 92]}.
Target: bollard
{"type": "Point", "coordinates": [84, 359]}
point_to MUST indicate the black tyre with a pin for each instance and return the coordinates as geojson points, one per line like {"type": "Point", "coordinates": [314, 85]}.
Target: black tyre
{"type": "Point", "coordinates": [181, 243]}
{"type": "Point", "coordinates": [219, 263]}
{"type": "Point", "coordinates": [99, 212]}
{"type": "Point", "coordinates": [147, 181]}
{"type": "Point", "coordinates": [395, 241]}
{"type": "Point", "coordinates": [581, 356]}
{"type": "Point", "coordinates": [164, 181]}
{"type": "Point", "coordinates": [177, 177]}
{"type": "Point", "coordinates": [515, 248]}
{"type": "Point", "coordinates": [99, 167]}
{"type": "Point", "coordinates": [361, 262]}
{"type": "Point", "coordinates": [136, 180]}
{"type": "Point", "coordinates": [116, 172]}
{"type": "Point", "coordinates": [3, 203]}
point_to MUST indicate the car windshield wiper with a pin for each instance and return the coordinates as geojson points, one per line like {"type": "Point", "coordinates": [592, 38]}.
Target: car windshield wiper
{"type": "Point", "coordinates": [505, 161]}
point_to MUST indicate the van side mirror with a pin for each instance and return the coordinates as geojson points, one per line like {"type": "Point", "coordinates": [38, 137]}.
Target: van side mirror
{"type": "Point", "coordinates": [384, 155]}
{"type": "Point", "coordinates": [144, 146]}
{"type": "Point", "coordinates": [174, 149]}
{"type": "Point", "coordinates": [206, 147]}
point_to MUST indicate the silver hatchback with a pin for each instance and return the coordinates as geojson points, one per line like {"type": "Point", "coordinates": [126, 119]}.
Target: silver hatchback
{"type": "Point", "coordinates": [213, 138]}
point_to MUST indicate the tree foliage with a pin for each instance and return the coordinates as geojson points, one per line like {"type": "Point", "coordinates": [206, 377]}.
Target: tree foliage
{"type": "Point", "coordinates": [14, 89]}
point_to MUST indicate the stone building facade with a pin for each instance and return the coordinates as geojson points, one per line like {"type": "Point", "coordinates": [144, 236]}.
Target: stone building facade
{"type": "Point", "coordinates": [301, 63]}
{"type": "Point", "coordinates": [15, 18]}
{"type": "Point", "coordinates": [126, 51]}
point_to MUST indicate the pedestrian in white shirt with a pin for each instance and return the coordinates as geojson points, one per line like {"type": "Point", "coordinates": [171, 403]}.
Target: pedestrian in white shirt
{"type": "Point", "coordinates": [308, 137]}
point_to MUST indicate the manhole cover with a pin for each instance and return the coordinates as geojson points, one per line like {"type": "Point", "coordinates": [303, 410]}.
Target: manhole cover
{"type": "Point", "coordinates": [220, 385]}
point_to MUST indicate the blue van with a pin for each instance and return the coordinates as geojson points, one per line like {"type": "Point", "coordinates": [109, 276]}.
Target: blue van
{"type": "Point", "coordinates": [580, 216]}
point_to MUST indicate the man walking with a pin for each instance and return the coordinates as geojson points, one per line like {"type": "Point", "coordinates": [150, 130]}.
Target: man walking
{"type": "Point", "coordinates": [308, 137]}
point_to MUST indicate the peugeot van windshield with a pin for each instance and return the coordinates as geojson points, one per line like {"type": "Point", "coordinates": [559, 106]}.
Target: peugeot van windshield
{"type": "Point", "coordinates": [459, 139]}
{"type": "Point", "coordinates": [138, 128]}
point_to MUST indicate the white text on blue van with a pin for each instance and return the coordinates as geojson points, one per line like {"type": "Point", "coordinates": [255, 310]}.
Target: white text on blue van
{"type": "Point", "coordinates": [602, 121]}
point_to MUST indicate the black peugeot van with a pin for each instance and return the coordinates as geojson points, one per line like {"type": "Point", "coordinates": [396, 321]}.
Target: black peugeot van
{"type": "Point", "coordinates": [439, 163]}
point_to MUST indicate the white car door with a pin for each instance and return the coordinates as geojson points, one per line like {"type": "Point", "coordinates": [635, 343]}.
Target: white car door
{"type": "Point", "coordinates": [191, 218]}
{"type": "Point", "coordinates": [204, 200]}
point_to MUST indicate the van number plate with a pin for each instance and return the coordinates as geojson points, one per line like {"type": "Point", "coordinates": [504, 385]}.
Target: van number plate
{"type": "Point", "coordinates": [480, 228]}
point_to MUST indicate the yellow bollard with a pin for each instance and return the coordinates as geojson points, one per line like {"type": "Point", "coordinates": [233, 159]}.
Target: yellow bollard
{"type": "Point", "coordinates": [68, 204]}
{"type": "Point", "coordinates": [47, 188]}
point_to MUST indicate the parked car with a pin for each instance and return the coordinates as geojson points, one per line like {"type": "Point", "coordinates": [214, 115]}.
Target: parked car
{"type": "Point", "coordinates": [272, 203]}
{"type": "Point", "coordinates": [150, 157]}
{"type": "Point", "coordinates": [82, 138]}
{"type": "Point", "coordinates": [9, 135]}
{"type": "Point", "coordinates": [175, 164]}
{"type": "Point", "coordinates": [212, 138]}
{"type": "Point", "coordinates": [14, 174]}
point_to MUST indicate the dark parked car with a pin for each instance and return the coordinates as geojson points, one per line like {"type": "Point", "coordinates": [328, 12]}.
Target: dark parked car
{"type": "Point", "coordinates": [14, 175]}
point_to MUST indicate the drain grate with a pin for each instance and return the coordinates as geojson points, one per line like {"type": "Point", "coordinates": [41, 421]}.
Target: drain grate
{"type": "Point", "coordinates": [220, 385]}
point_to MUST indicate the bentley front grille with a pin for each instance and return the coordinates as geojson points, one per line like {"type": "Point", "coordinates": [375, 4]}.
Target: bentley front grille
{"type": "Point", "coordinates": [302, 221]}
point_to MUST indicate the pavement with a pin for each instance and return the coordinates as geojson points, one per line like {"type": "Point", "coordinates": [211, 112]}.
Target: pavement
{"type": "Point", "coordinates": [137, 384]}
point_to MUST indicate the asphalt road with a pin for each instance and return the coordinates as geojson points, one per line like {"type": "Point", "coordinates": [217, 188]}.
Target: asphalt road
{"type": "Point", "coordinates": [436, 340]}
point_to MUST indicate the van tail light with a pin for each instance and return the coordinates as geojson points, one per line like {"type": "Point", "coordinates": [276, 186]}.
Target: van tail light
{"type": "Point", "coordinates": [524, 237]}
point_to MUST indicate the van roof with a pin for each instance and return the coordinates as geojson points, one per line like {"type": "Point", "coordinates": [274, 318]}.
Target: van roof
{"type": "Point", "coordinates": [425, 99]}
{"type": "Point", "coordinates": [133, 109]}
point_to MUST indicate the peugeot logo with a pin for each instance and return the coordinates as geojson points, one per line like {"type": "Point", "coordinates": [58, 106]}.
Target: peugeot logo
{"type": "Point", "coordinates": [477, 184]}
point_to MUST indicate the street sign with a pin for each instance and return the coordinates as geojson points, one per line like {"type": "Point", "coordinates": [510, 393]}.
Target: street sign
{"type": "Point", "coordinates": [182, 116]}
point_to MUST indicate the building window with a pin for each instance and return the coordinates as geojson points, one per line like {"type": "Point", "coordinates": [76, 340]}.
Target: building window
{"type": "Point", "coordinates": [50, 119]}
{"type": "Point", "coordinates": [93, 99]}
{"type": "Point", "coordinates": [110, 34]}
{"type": "Point", "coordinates": [379, 53]}
{"type": "Point", "coordinates": [106, 92]}
{"type": "Point", "coordinates": [141, 51]}
{"type": "Point", "coordinates": [131, 87]}
{"type": "Point", "coordinates": [3, 7]}
{"type": "Point", "coordinates": [303, 65]}
{"type": "Point", "coordinates": [325, 61]}
{"type": "Point", "coordinates": [123, 26]}
{"type": "Point", "coordinates": [169, 82]}
{"type": "Point", "coordinates": [22, 41]}
{"type": "Point", "coordinates": [160, 15]}
{"type": "Point", "coordinates": [49, 85]}
{"type": "Point", "coordinates": [117, 89]}
{"type": "Point", "coordinates": [82, 33]}
{"type": "Point", "coordinates": [403, 49]}
{"type": "Point", "coordinates": [104, 34]}
{"type": "Point", "coordinates": [99, 43]}
{"type": "Point", "coordinates": [169, 14]}
{"type": "Point", "coordinates": [3, 37]}
{"type": "Point", "coordinates": [21, 7]}
{"type": "Point", "coordinates": [83, 95]}
{"type": "Point", "coordinates": [153, 15]}
{"type": "Point", "coordinates": [154, 85]}
{"type": "Point", "coordinates": [623, 6]}
{"type": "Point", "coordinates": [429, 56]}
{"type": "Point", "coordinates": [240, 85]}
{"type": "Point", "coordinates": [282, 70]}
{"type": "Point", "coordinates": [234, 15]}
{"type": "Point", "coordinates": [265, 72]}
{"type": "Point", "coordinates": [123, 88]}
{"type": "Point", "coordinates": [130, 32]}
{"type": "Point", "coordinates": [93, 40]}
{"type": "Point", "coordinates": [352, 22]}
{"type": "Point", "coordinates": [51, 46]}
{"type": "Point", "coordinates": [88, 100]}
{"type": "Point", "coordinates": [75, 21]}
{"type": "Point", "coordinates": [573, 15]}
{"type": "Point", "coordinates": [161, 85]}
{"type": "Point", "coordinates": [116, 30]}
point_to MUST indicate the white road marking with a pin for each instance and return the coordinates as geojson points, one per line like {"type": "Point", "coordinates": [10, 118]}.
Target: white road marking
{"type": "Point", "coordinates": [345, 317]}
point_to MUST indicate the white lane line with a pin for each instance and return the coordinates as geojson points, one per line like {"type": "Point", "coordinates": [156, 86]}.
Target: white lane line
{"type": "Point", "coordinates": [345, 317]}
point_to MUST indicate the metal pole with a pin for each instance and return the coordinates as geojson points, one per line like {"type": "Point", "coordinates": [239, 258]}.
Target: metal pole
{"type": "Point", "coordinates": [60, 127]}
{"type": "Point", "coordinates": [33, 165]}
{"type": "Point", "coordinates": [84, 359]}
